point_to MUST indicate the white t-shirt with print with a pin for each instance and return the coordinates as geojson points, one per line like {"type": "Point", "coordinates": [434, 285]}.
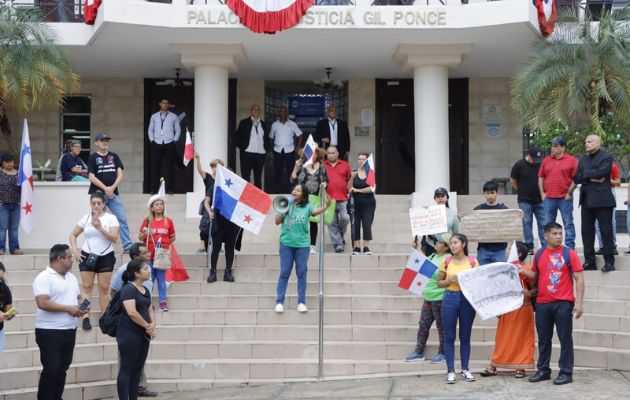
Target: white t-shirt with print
{"type": "Point", "coordinates": [95, 242]}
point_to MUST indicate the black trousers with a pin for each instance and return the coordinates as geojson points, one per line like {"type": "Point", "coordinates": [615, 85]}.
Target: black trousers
{"type": "Point", "coordinates": [363, 217]}
{"type": "Point", "coordinates": [162, 154]}
{"type": "Point", "coordinates": [283, 164]}
{"type": "Point", "coordinates": [313, 230]}
{"type": "Point", "coordinates": [56, 347]}
{"type": "Point", "coordinates": [133, 348]}
{"type": "Point", "coordinates": [560, 314]}
{"type": "Point", "coordinates": [252, 162]}
{"type": "Point", "coordinates": [604, 216]}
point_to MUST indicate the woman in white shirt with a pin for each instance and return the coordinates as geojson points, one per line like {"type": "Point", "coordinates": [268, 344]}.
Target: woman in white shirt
{"type": "Point", "coordinates": [96, 256]}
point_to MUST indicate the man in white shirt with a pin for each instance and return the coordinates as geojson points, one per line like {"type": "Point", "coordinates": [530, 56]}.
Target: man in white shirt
{"type": "Point", "coordinates": [283, 134]}
{"type": "Point", "coordinates": [251, 140]}
{"type": "Point", "coordinates": [58, 296]}
{"type": "Point", "coordinates": [164, 132]}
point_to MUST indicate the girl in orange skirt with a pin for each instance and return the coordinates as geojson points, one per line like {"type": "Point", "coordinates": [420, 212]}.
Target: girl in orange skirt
{"type": "Point", "coordinates": [514, 341]}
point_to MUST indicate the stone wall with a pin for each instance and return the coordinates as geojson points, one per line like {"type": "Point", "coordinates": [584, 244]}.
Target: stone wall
{"type": "Point", "coordinates": [117, 108]}
{"type": "Point", "coordinates": [491, 156]}
{"type": "Point", "coordinates": [361, 95]}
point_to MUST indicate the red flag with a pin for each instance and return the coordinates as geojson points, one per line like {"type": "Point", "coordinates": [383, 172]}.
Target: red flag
{"type": "Point", "coordinates": [177, 273]}
{"type": "Point", "coordinates": [370, 172]}
{"type": "Point", "coordinates": [189, 153]}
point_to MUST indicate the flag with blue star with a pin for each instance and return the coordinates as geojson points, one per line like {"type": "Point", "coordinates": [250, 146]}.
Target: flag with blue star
{"type": "Point", "coordinates": [25, 181]}
{"type": "Point", "coordinates": [417, 273]}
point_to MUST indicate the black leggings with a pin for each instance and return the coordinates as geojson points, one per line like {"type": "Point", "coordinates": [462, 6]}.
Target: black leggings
{"type": "Point", "coordinates": [314, 227]}
{"type": "Point", "coordinates": [230, 242]}
{"type": "Point", "coordinates": [133, 348]}
{"type": "Point", "coordinates": [363, 216]}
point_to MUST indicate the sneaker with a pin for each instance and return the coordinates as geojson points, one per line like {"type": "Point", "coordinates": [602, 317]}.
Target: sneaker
{"type": "Point", "coordinates": [451, 378]}
{"type": "Point", "coordinates": [356, 251]}
{"type": "Point", "coordinates": [339, 249]}
{"type": "Point", "coordinates": [367, 251]}
{"type": "Point", "coordinates": [415, 356]}
{"type": "Point", "coordinates": [279, 308]}
{"type": "Point", "coordinates": [302, 308]}
{"type": "Point", "coordinates": [163, 306]}
{"type": "Point", "coordinates": [87, 326]}
{"type": "Point", "coordinates": [312, 251]}
{"type": "Point", "coordinates": [467, 375]}
{"type": "Point", "coordinates": [438, 358]}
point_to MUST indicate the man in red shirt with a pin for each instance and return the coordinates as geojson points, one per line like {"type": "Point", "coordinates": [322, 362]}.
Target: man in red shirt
{"type": "Point", "coordinates": [556, 303]}
{"type": "Point", "coordinates": [338, 172]}
{"type": "Point", "coordinates": [615, 180]}
{"type": "Point", "coordinates": [555, 182]}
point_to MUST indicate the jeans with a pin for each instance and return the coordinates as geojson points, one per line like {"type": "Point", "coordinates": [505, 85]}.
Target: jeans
{"type": "Point", "coordinates": [614, 228]}
{"type": "Point", "coordinates": [288, 255]}
{"type": "Point", "coordinates": [117, 208]}
{"type": "Point", "coordinates": [531, 210]}
{"type": "Point", "coordinates": [283, 164]}
{"type": "Point", "coordinates": [9, 221]}
{"type": "Point", "coordinates": [560, 314]}
{"type": "Point", "coordinates": [160, 275]}
{"type": "Point", "coordinates": [56, 347]}
{"type": "Point", "coordinates": [133, 349]}
{"type": "Point", "coordinates": [456, 307]}
{"type": "Point", "coordinates": [566, 212]}
{"type": "Point", "coordinates": [337, 228]}
{"type": "Point", "coordinates": [487, 256]}
{"type": "Point", "coordinates": [1, 343]}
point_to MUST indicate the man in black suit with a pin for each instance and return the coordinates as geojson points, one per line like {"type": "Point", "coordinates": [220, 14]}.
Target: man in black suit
{"type": "Point", "coordinates": [252, 139]}
{"type": "Point", "coordinates": [597, 201]}
{"type": "Point", "coordinates": [332, 131]}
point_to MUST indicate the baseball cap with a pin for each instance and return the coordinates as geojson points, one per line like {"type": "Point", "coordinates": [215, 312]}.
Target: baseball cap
{"type": "Point", "coordinates": [559, 140]}
{"type": "Point", "coordinates": [535, 153]}
{"type": "Point", "coordinates": [101, 136]}
{"type": "Point", "coordinates": [441, 191]}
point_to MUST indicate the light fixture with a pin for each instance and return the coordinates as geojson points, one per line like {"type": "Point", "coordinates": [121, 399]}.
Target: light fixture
{"type": "Point", "coordinates": [328, 82]}
{"type": "Point", "coordinates": [177, 82]}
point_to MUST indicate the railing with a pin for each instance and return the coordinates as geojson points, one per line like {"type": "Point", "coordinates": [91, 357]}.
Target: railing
{"type": "Point", "coordinates": [56, 10]}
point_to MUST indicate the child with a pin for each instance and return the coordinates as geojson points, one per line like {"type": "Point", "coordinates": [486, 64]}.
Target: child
{"type": "Point", "coordinates": [491, 252]}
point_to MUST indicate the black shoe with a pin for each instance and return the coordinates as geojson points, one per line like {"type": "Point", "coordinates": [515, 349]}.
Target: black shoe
{"type": "Point", "coordinates": [530, 252]}
{"type": "Point", "coordinates": [600, 252]}
{"type": "Point", "coordinates": [356, 251]}
{"type": "Point", "coordinates": [615, 252]}
{"type": "Point", "coordinates": [87, 326]}
{"type": "Point", "coordinates": [212, 277]}
{"type": "Point", "coordinates": [227, 277]}
{"type": "Point", "coordinates": [539, 377]}
{"type": "Point", "coordinates": [608, 268]}
{"type": "Point", "coordinates": [366, 251]}
{"type": "Point", "coordinates": [144, 392]}
{"type": "Point", "coordinates": [587, 266]}
{"type": "Point", "coordinates": [563, 379]}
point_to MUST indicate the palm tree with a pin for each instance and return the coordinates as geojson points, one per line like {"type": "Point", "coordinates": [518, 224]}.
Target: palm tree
{"type": "Point", "coordinates": [579, 73]}
{"type": "Point", "coordinates": [34, 71]}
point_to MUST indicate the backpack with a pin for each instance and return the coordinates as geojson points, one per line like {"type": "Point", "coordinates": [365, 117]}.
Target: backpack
{"type": "Point", "coordinates": [111, 317]}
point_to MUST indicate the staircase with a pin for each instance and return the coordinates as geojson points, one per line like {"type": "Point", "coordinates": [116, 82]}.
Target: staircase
{"type": "Point", "coordinates": [228, 334]}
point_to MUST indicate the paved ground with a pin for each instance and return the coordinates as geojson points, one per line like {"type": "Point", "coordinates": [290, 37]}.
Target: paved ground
{"type": "Point", "coordinates": [591, 385]}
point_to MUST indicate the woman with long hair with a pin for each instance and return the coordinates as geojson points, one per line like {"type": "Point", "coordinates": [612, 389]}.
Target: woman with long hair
{"type": "Point", "coordinates": [310, 177]}
{"type": "Point", "coordinates": [294, 244]}
{"type": "Point", "coordinates": [5, 305]}
{"type": "Point", "coordinates": [136, 328]}
{"type": "Point", "coordinates": [364, 206]}
{"type": "Point", "coordinates": [455, 307]}
{"type": "Point", "coordinates": [157, 231]}
{"type": "Point", "coordinates": [96, 257]}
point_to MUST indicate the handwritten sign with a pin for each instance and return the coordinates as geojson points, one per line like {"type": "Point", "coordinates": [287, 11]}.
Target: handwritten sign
{"type": "Point", "coordinates": [491, 226]}
{"type": "Point", "coordinates": [492, 289]}
{"type": "Point", "coordinates": [429, 220]}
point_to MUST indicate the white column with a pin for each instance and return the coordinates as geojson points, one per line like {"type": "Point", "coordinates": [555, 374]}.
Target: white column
{"type": "Point", "coordinates": [430, 96]}
{"type": "Point", "coordinates": [211, 116]}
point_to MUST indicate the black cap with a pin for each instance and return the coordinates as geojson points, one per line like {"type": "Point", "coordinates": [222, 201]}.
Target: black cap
{"type": "Point", "coordinates": [441, 191]}
{"type": "Point", "coordinates": [6, 157]}
{"type": "Point", "coordinates": [101, 136]}
{"type": "Point", "coordinates": [559, 140]}
{"type": "Point", "coordinates": [535, 153]}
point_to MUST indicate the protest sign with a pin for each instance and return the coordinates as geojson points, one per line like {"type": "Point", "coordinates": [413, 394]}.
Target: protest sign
{"type": "Point", "coordinates": [492, 289]}
{"type": "Point", "coordinates": [490, 226]}
{"type": "Point", "coordinates": [429, 220]}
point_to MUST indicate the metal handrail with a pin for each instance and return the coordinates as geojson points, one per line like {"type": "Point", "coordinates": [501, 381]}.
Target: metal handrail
{"type": "Point", "coordinates": [320, 366]}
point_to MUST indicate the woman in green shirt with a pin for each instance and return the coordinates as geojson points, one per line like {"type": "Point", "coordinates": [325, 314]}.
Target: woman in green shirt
{"type": "Point", "coordinates": [432, 307]}
{"type": "Point", "coordinates": [295, 243]}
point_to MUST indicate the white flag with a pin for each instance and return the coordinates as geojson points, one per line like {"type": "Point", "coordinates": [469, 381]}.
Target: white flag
{"type": "Point", "coordinates": [25, 180]}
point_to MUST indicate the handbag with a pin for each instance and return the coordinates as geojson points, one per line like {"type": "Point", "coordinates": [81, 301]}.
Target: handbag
{"type": "Point", "coordinates": [316, 202]}
{"type": "Point", "coordinates": [92, 258]}
{"type": "Point", "coordinates": [161, 257]}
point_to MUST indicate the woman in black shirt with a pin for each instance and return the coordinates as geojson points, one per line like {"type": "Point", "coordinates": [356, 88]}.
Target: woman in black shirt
{"type": "Point", "coordinates": [136, 329]}
{"type": "Point", "coordinates": [364, 206]}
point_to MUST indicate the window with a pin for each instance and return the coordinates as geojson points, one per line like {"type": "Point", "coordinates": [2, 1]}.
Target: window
{"type": "Point", "coordinates": [76, 123]}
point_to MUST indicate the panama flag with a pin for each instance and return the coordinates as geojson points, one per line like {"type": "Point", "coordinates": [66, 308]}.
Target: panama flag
{"type": "Point", "coordinates": [240, 201]}
{"type": "Point", "coordinates": [513, 257]}
{"type": "Point", "coordinates": [417, 273]}
{"type": "Point", "coordinates": [189, 153]}
{"type": "Point", "coordinates": [368, 167]}
{"type": "Point", "coordinates": [25, 180]}
{"type": "Point", "coordinates": [310, 151]}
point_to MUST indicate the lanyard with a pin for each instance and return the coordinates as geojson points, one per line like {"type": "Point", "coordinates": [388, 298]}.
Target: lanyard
{"type": "Point", "coordinates": [162, 119]}
{"type": "Point", "coordinates": [256, 126]}
{"type": "Point", "coordinates": [333, 125]}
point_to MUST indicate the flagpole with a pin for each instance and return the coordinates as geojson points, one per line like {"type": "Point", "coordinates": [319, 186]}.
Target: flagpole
{"type": "Point", "coordinates": [322, 228]}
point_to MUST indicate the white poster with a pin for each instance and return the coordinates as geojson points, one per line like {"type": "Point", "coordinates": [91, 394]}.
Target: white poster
{"type": "Point", "coordinates": [492, 289]}
{"type": "Point", "coordinates": [428, 220]}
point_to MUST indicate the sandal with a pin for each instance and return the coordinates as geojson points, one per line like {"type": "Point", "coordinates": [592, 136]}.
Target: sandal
{"type": "Point", "coordinates": [490, 371]}
{"type": "Point", "coordinates": [520, 373]}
